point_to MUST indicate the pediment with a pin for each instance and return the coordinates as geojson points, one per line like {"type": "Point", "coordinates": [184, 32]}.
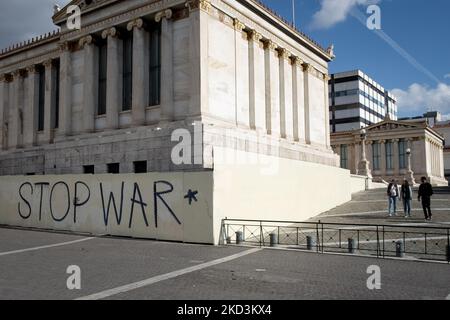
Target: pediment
{"type": "Point", "coordinates": [394, 125]}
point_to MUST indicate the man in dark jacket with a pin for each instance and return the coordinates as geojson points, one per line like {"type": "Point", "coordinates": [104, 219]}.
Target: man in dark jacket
{"type": "Point", "coordinates": [425, 193]}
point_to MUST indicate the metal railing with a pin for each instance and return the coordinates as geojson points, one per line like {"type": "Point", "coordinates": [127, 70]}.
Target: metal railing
{"type": "Point", "coordinates": [411, 241]}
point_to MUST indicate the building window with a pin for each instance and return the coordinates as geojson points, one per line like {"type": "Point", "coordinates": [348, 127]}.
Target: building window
{"type": "Point", "coordinates": [402, 153]}
{"type": "Point", "coordinates": [88, 169]}
{"type": "Point", "coordinates": [102, 68]}
{"type": "Point", "coordinates": [57, 86]}
{"type": "Point", "coordinates": [127, 71]}
{"type": "Point", "coordinates": [344, 156]}
{"type": "Point", "coordinates": [113, 168]}
{"type": "Point", "coordinates": [389, 156]}
{"type": "Point", "coordinates": [155, 67]}
{"type": "Point", "coordinates": [140, 166]}
{"type": "Point", "coordinates": [41, 104]}
{"type": "Point", "coordinates": [376, 156]}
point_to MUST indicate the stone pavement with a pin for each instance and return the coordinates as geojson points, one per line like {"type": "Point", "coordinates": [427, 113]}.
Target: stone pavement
{"type": "Point", "coordinates": [33, 266]}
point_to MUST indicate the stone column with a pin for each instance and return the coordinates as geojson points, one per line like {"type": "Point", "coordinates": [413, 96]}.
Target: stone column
{"type": "Point", "coordinates": [4, 108]}
{"type": "Point", "coordinates": [298, 98]}
{"type": "Point", "coordinates": [326, 79]}
{"type": "Point", "coordinates": [396, 162]}
{"type": "Point", "coordinates": [198, 49]}
{"type": "Point", "coordinates": [307, 69]}
{"type": "Point", "coordinates": [114, 76]}
{"type": "Point", "coordinates": [90, 83]}
{"type": "Point", "coordinates": [167, 91]}
{"type": "Point", "coordinates": [286, 110]}
{"type": "Point", "coordinates": [272, 89]}
{"type": "Point", "coordinates": [65, 90]}
{"type": "Point", "coordinates": [363, 166]}
{"type": "Point", "coordinates": [31, 109]}
{"type": "Point", "coordinates": [140, 71]}
{"type": "Point", "coordinates": [253, 45]}
{"type": "Point", "coordinates": [15, 111]}
{"type": "Point", "coordinates": [49, 109]}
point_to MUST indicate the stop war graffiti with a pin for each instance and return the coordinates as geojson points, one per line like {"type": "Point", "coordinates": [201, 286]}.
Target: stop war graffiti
{"type": "Point", "coordinates": [33, 196]}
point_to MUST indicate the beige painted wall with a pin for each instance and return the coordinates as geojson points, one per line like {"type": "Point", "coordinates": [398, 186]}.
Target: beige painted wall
{"type": "Point", "coordinates": [250, 186]}
{"type": "Point", "coordinates": [22, 193]}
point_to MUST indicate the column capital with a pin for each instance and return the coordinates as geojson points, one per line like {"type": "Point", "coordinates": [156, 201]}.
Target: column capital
{"type": "Point", "coordinates": [6, 77]}
{"type": "Point", "coordinates": [382, 141]}
{"type": "Point", "coordinates": [326, 77]}
{"type": "Point", "coordinates": [307, 67]}
{"type": "Point", "coordinates": [269, 44]}
{"type": "Point", "coordinates": [64, 46]}
{"type": "Point", "coordinates": [204, 5]}
{"type": "Point", "coordinates": [136, 23]}
{"type": "Point", "coordinates": [110, 32]}
{"type": "Point", "coordinates": [255, 36]}
{"type": "Point", "coordinates": [18, 73]}
{"type": "Point", "coordinates": [48, 63]}
{"type": "Point", "coordinates": [165, 14]}
{"type": "Point", "coordinates": [238, 25]}
{"type": "Point", "coordinates": [87, 40]}
{"type": "Point", "coordinates": [283, 53]}
{"type": "Point", "coordinates": [297, 61]}
{"type": "Point", "coordinates": [395, 140]}
{"type": "Point", "coordinates": [33, 69]}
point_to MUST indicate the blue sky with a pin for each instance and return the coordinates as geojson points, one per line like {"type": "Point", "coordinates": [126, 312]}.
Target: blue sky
{"type": "Point", "coordinates": [420, 27]}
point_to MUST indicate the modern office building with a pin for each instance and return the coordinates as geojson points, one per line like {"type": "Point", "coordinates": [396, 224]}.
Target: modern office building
{"type": "Point", "coordinates": [358, 101]}
{"type": "Point", "coordinates": [432, 118]}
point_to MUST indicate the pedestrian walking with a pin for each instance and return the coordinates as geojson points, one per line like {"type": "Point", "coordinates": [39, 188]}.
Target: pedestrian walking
{"type": "Point", "coordinates": [406, 196]}
{"type": "Point", "coordinates": [425, 193]}
{"type": "Point", "coordinates": [393, 194]}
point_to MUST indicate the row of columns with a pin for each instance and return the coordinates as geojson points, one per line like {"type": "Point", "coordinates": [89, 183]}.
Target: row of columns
{"type": "Point", "coordinates": [19, 115]}
{"type": "Point", "coordinates": [140, 72]}
{"type": "Point", "coordinates": [19, 108]}
{"type": "Point", "coordinates": [436, 158]}
{"type": "Point", "coordinates": [287, 90]}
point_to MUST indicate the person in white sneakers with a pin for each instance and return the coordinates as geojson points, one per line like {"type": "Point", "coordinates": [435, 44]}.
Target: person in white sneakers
{"type": "Point", "coordinates": [393, 194]}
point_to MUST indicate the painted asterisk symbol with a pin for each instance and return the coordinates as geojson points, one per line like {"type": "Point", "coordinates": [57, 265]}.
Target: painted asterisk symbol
{"type": "Point", "coordinates": [192, 195]}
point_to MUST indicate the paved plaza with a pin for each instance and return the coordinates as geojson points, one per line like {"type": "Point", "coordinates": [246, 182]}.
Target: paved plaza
{"type": "Point", "coordinates": [33, 265]}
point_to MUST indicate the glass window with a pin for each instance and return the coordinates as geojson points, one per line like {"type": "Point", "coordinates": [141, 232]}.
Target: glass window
{"type": "Point", "coordinates": [102, 73]}
{"type": "Point", "coordinates": [402, 153]}
{"type": "Point", "coordinates": [344, 156]}
{"type": "Point", "coordinates": [389, 156]}
{"type": "Point", "coordinates": [155, 67]}
{"type": "Point", "coordinates": [41, 104]}
{"type": "Point", "coordinates": [127, 71]}
{"type": "Point", "coordinates": [376, 156]}
{"type": "Point", "coordinates": [57, 86]}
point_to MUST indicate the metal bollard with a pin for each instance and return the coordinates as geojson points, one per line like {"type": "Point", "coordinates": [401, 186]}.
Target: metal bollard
{"type": "Point", "coordinates": [273, 240]}
{"type": "Point", "coordinates": [399, 252]}
{"type": "Point", "coordinates": [351, 246]}
{"type": "Point", "coordinates": [309, 243]}
{"type": "Point", "coordinates": [239, 237]}
{"type": "Point", "coordinates": [228, 240]}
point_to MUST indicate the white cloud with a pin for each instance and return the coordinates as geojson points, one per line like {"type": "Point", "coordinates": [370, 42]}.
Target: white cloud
{"type": "Point", "coordinates": [417, 98]}
{"type": "Point", "coordinates": [334, 11]}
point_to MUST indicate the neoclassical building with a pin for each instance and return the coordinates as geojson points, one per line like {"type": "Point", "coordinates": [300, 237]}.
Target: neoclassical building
{"type": "Point", "coordinates": [393, 150]}
{"type": "Point", "coordinates": [107, 97]}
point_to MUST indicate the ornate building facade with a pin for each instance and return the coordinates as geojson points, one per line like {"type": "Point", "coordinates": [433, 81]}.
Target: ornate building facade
{"type": "Point", "coordinates": [107, 97]}
{"type": "Point", "coordinates": [393, 150]}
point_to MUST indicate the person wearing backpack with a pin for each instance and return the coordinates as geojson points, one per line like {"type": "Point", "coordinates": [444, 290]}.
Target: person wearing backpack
{"type": "Point", "coordinates": [393, 194]}
{"type": "Point", "coordinates": [425, 193]}
{"type": "Point", "coordinates": [406, 196]}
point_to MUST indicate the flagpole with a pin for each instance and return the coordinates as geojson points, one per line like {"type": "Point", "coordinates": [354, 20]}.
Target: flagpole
{"type": "Point", "coordinates": [293, 13]}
